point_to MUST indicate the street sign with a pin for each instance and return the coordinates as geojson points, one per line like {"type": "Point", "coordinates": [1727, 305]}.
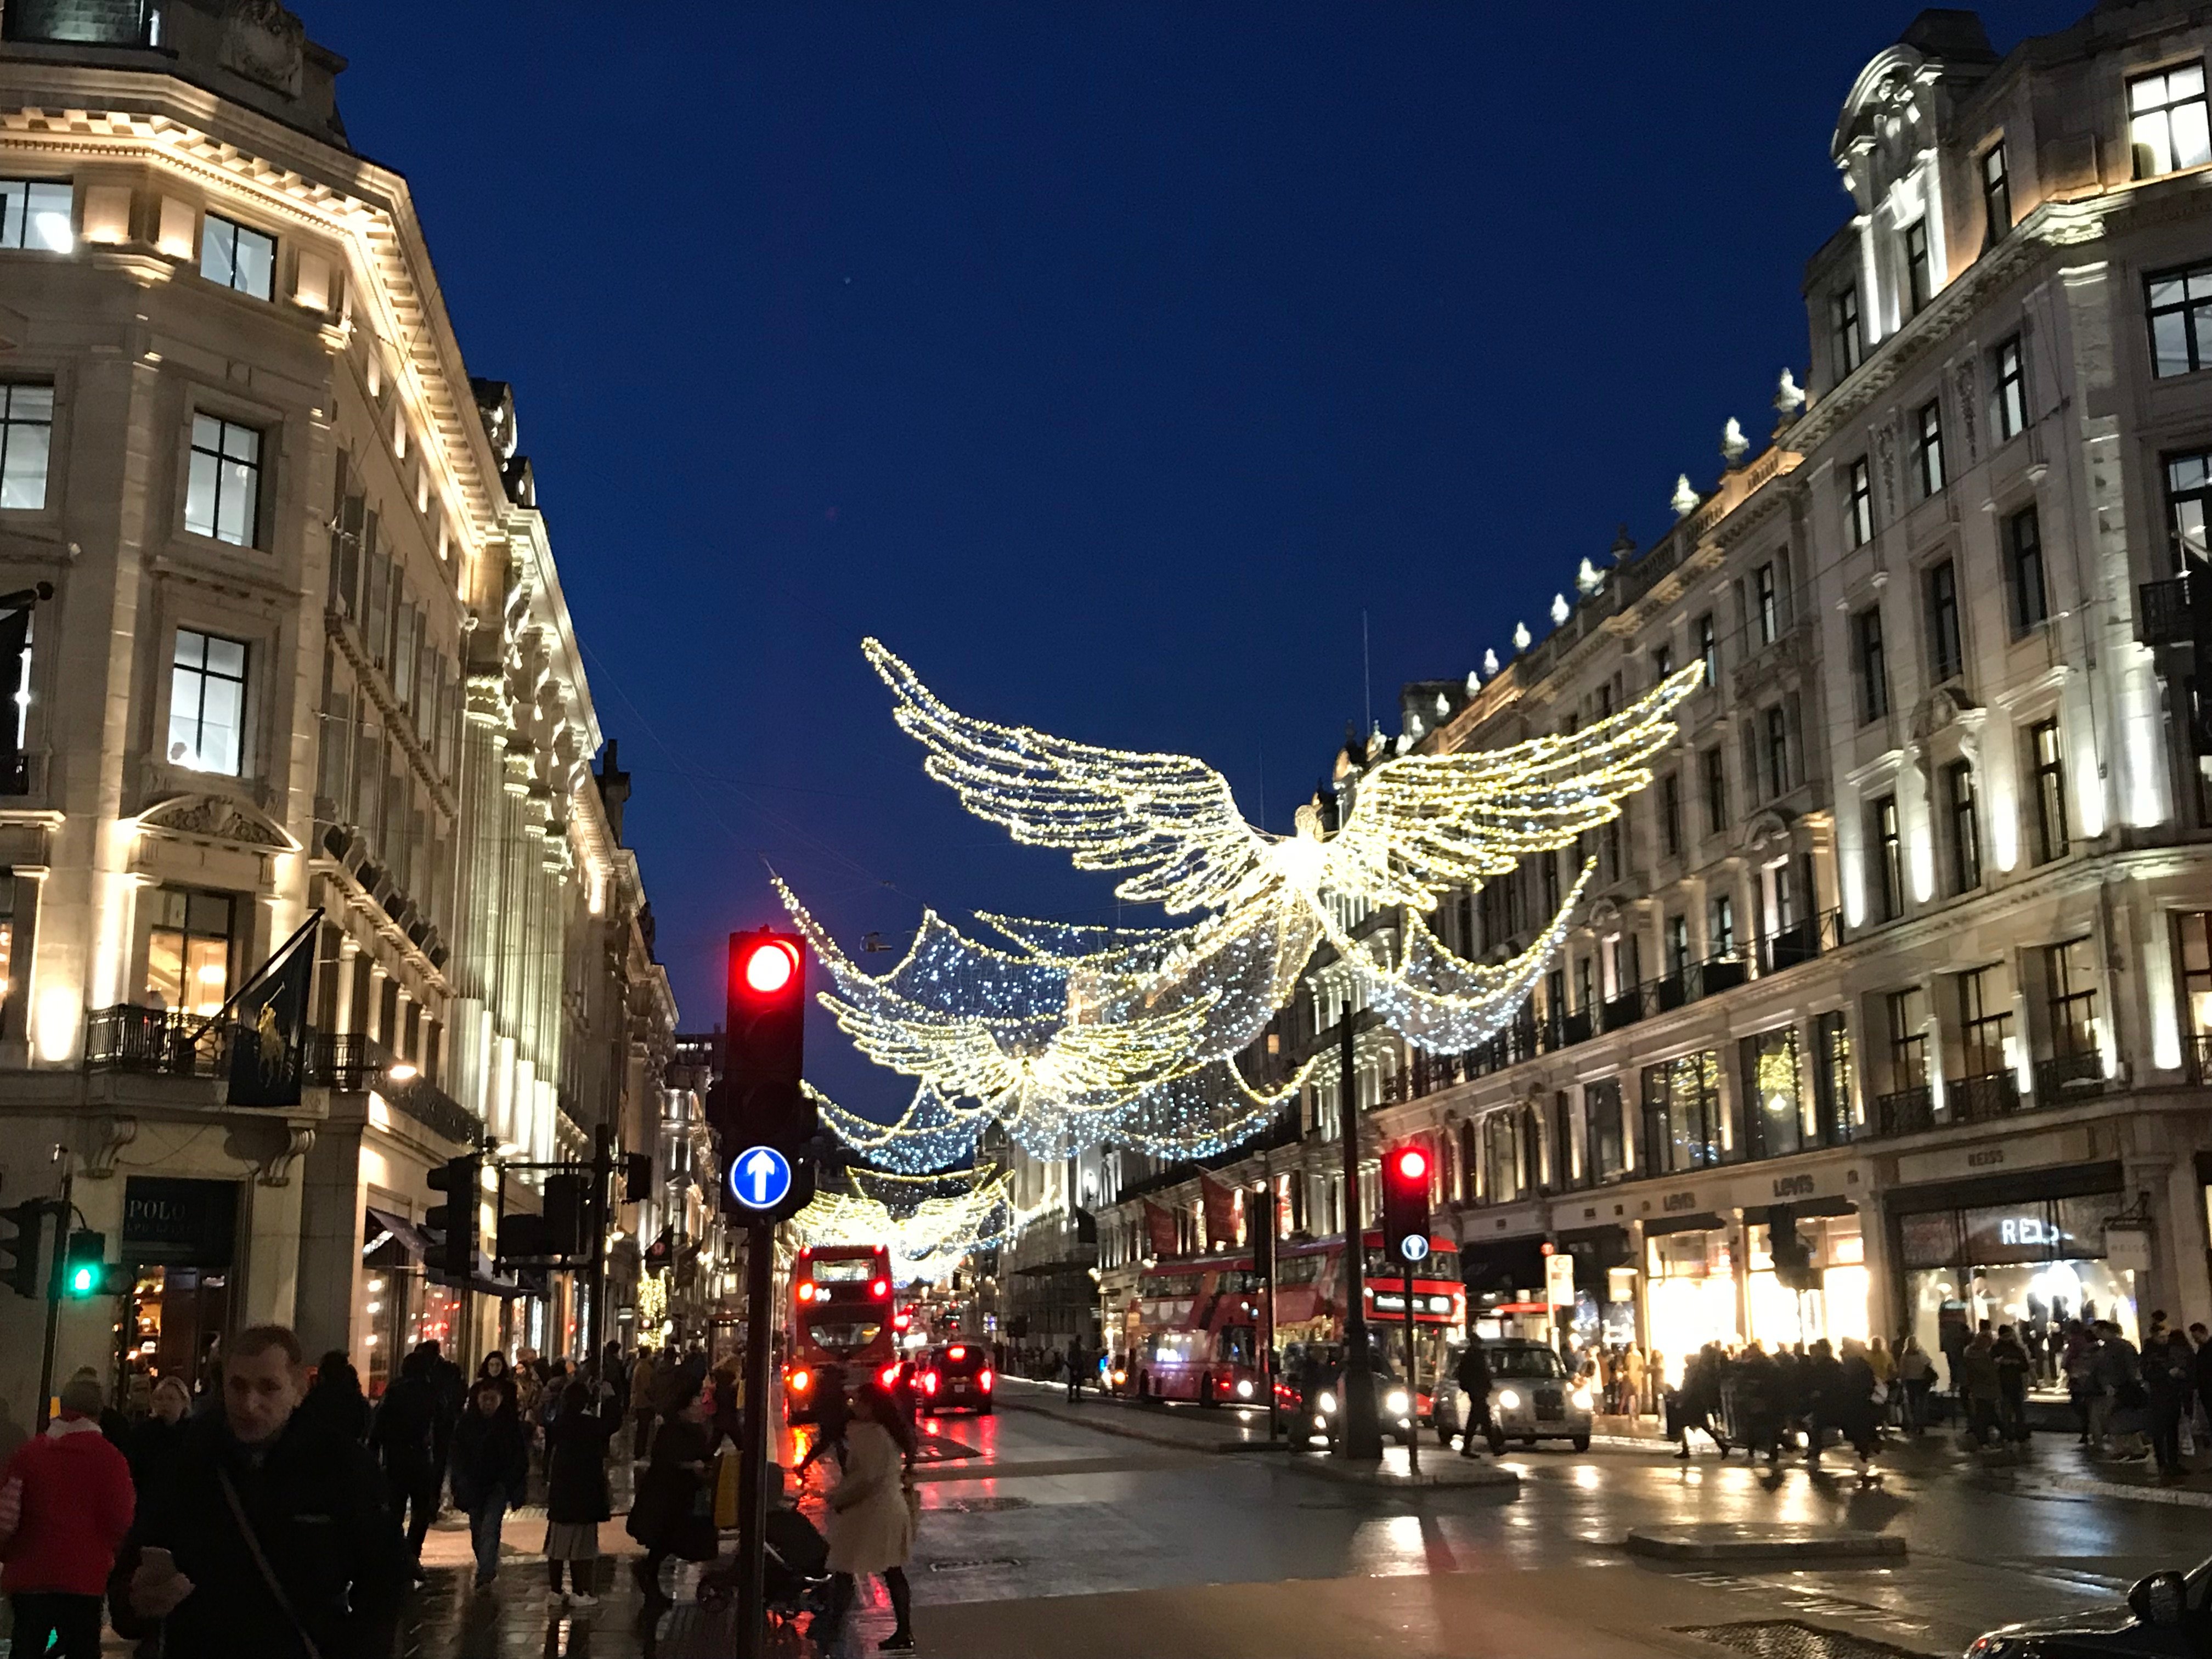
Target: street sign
{"type": "Point", "coordinates": [1413, 1247]}
{"type": "Point", "coordinates": [759, 1177]}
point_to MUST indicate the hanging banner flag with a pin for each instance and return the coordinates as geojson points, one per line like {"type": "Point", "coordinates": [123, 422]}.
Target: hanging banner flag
{"type": "Point", "coordinates": [1160, 1228]}
{"type": "Point", "coordinates": [1220, 1214]}
{"type": "Point", "coordinates": [268, 1021]}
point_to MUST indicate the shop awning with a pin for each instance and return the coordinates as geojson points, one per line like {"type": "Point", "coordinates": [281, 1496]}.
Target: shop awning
{"type": "Point", "coordinates": [387, 1232]}
{"type": "Point", "coordinates": [386, 1235]}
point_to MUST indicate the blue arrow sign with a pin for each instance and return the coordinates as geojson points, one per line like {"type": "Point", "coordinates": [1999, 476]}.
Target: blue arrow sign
{"type": "Point", "coordinates": [759, 1177]}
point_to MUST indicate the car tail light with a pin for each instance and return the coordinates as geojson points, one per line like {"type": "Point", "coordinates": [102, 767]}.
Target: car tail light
{"type": "Point", "coordinates": [801, 1380]}
{"type": "Point", "coordinates": [888, 1375]}
{"type": "Point", "coordinates": [955, 1351]}
{"type": "Point", "coordinates": [880, 1289]}
{"type": "Point", "coordinates": [929, 1381]}
{"type": "Point", "coordinates": [985, 1379]}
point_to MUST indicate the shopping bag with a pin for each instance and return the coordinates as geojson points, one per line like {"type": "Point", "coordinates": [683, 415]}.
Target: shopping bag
{"type": "Point", "coordinates": [726, 1491]}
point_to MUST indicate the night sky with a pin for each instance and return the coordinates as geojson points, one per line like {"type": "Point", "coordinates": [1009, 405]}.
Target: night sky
{"type": "Point", "coordinates": [1110, 361]}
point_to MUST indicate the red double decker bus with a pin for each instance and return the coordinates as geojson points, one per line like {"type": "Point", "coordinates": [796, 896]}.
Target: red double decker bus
{"type": "Point", "coordinates": [1201, 1321]}
{"type": "Point", "coordinates": [841, 1317]}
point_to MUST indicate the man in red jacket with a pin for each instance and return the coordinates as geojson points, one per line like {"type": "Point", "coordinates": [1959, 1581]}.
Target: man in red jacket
{"type": "Point", "coordinates": [69, 1491]}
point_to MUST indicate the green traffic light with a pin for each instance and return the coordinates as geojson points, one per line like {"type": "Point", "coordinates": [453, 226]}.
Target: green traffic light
{"type": "Point", "coordinates": [81, 1281]}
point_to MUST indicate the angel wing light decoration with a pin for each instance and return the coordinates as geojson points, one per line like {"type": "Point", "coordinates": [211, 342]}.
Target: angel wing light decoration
{"type": "Point", "coordinates": [1080, 1035]}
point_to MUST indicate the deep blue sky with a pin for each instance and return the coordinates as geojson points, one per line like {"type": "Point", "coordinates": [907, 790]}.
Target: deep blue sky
{"type": "Point", "coordinates": [1107, 360]}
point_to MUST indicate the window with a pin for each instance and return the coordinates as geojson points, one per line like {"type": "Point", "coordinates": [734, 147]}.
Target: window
{"type": "Point", "coordinates": [1889, 858]}
{"type": "Point", "coordinates": [2071, 968]}
{"type": "Point", "coordinates": [1850, 340]}
{"type": "Point", "coordinates": [36, 215]}
{"type": "Point", "coordinates": [1776, 1101]}
{"type": "Point", "coordinates": [1943, 621]}
{"type": "Point", "coordinates": [187, 950]}
{"type": "Point", "coordinates": [1678, 944]}
{"type": "Point", "coordinates": [1670, 815]}
{"type": "Point", "coordinates": [1984, 1022]}
{"type": "Point", "coordinates": [1724, 923]}
{"type": "Point", "coordinates": [2179, 306]}
{"type": "Point", "coordinates": [1601, 1106]}
{"type": "Point", "coordinates": [1609, 842]}
{"type": "Point", "coordinates": [1777, 752]}
{"type": "Point", "coordinates": [1858, 503]}
{"type": "Point", "coordinates": [2189, 508]}
{"type": "Point", "coordinates": [1766, 604]}
{"type": "Point", "coordinates": [1965, 826]}
{"type": "Point", "coordinates": [1662, 662]}
{"type": "Point", "coordinates": [207, 703]}
{"type": "Point", "coordinates": [1832, 1077]}
{"type": "Point", "coordinates": [237, 258]}
{"type": "Point", "coordinates": [1717, 802]}
{"type": "Point", "coordinates": [2031, 606]}
{"type": "Point", "coordinates": [1996, 195]}
{"type": "Point", "coordinates": [222, 496]}
{"type": "Point", "coordinates": [27, 437]}
{"type": "Point", "coordinates": [1709, 649]}
{"type": "Point", "coordinates": [1874, 666]}
{"type": "Point", "coordinates": [1682, 1113]}
{"type": "Point", "coordinates": [2048, 767]}
{"type": "Point", "coordinates": [1548, 873]}
{"type": "Point", "coordinates": [1919, 286]}
{"type": "Point", "coordinates": [1908, 1038]}
{"type": "Point", "coordinates": [2012, 389]}
{"type": "Point", "coordinates": [1927, 447]}
{"type": "Point", "coordinates": [2166, 120]}
{"type": "Point", "coordinates": [2194, 928]}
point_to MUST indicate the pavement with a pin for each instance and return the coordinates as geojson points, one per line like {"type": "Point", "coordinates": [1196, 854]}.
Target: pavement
{"type": "Point", "coordinates": [1047, 1531]}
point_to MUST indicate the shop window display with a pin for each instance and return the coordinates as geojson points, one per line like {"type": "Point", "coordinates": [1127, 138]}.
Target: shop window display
{"type": "Point", "coordinates": [1782, 1317]}
{"type": "Point", "coordinates": [2032, 1265]}
{"type": "Point", "coordinates": [1690, 1299]}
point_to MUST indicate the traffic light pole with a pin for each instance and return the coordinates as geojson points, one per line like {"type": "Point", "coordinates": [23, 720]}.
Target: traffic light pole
{"type": "Point", "coordinates": [1412, 1382]}
{"type": "Point", "coordinates": [1361, 1442]}
{"type": "Point", "coordinates": [59, 1216]}
{"type": "Point", "coordinates": [753, 1457]}
{"type": "Point", "coordinates": [596, 1212]}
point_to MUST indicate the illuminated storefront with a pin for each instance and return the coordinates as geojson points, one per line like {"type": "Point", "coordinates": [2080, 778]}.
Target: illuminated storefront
{"type": "Point", "coordinates": [2028, 1253]}
{"type": "Point", "coordinates": [1834, 1309]}
{"type": "Point", "coordinates": [1690, 1298]}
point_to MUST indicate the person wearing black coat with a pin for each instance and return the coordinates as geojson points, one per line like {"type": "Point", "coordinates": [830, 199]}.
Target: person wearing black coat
{"type": "Point", "coordinates": [404, 1436]}
{"type": "Point", "coordinates": [1474, 1379]}
{"type": "Point", "coordinates": [674, 1512]}
{"type": "Point", "coordinates": [254, 1492]}
{"type": "Point", "coordinates": [490, 1470]}
{"type": "Point", "coordinates": [577, 1497]}
{"type": "Point", "coordinates": [155, 1440]}
{"type": "Point", "coordinates": [336, 1402]}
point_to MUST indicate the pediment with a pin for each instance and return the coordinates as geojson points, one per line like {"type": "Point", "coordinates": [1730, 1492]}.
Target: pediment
{"type": "Point", "coordinates": [218, 817]}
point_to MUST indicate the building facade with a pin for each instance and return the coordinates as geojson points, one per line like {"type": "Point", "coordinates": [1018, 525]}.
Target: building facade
{"type": "Point", "coordinates": [306, 665]}
{"type": "Point", "coordinates": [1887, 1008]}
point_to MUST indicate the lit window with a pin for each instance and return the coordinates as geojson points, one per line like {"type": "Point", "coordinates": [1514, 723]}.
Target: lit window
{"type": "Point", "coordinates": [2179, 303]}
{"type": "Point", "coordinates": [36, 216]}
{"type": "Point", "coordinates": [207, 703]}
{"type": "Point", "coordinates": [236, 257]}
{"type": "Point", "coordinates": [2189, 508]}
{"type": "Point", "coordinates": [2166, 127]}
{"type": "Point", "coordinates": [1709, 649]}
{"type": "Point", "coordinates": [1984, 1021]}
{"type": "Point", "coordinates": [2048, 766]}
{"type": "Point", "coordinates": [1849, 339]}
{"type": "Point", "coordinates": [26, 434]}
{"type": "Point", "coordinates": [222, 495]}
{"type": "Point", "coordinates": [1724, 926]}
{"type": "Point", "coordinates": [1919, 281]}
{"type": "Point", "coordinates": [1965, 832]}
{"type": "Point", "coordinates": [1996, 194]}
{"type": "Point", "coordinates": [2031, 604]}
{"type": "Point", "coordinates": [187, 950]}
{"type": "Point", "coordinates": [1858, 503]}
{"type": "Point", "coordinates": [1768, 604]}
{"type": "Point", "coordinates": [1889, 857]}
{"type": "Point", "coordinates": [2012, 389]}
{"type": "Point", "coordinates": [1927, 447]}
{"type": "Point", "coordinates": [1943, 621]}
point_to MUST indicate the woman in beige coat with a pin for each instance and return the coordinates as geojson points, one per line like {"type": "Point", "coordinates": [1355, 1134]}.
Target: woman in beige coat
{"type": "Point", "coordinates": [870, 1521]}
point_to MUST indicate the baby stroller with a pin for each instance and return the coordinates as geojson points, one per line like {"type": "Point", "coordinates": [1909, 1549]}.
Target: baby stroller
{"type": "Point", "coordinates": [795, 1570]}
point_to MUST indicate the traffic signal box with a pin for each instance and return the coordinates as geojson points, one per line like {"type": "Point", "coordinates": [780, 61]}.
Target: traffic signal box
{"type": "Point", "coordinates": [461, 1180]}
{"type": "Point", "coordinates": [1405, 1205]}
{"type": "Point", "coordinates": [23, 1252]}
{"type": "Point", "coordinates": [759, 1101]}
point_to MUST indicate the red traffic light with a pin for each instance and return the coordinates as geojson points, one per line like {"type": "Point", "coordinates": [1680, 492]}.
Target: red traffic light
{"type": "Point", "coordinates": [766, 965]}
{"type": "Point", "coordinates": [1412, 1163]}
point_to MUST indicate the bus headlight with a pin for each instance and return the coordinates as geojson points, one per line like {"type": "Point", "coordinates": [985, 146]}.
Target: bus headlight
{"type": "Point", "coordinates": [1398, 1402]}
{"type": "Point", "coordinates": [1326, 1401]}
{"type": "Point", "coordinates": [1243, 1388]}
{"type": "Point", "coordinates": [1508, 1399]}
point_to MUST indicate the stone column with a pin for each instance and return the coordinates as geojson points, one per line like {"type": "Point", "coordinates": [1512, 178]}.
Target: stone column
{"type": "Point", "coordinates": [349, 965]}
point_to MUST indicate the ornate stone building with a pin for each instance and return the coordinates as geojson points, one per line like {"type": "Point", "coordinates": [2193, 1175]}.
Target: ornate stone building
{"type": "Point", "coordinates": [305, 656]}
{"type": "Point", "coordinates": [1900, 973]}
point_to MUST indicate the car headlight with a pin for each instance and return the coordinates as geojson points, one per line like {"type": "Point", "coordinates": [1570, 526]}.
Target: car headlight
{"type": "Point", "coordinates": [1510, 1399]}
{"type": "Point", "coordinates": [1582, 1398]}
{"type": "Point", "coordinates": [1398, 1402]}
{"type": "Point", "coordinates": [1243, 1388]}
{"type": "Point", "coordinates": [1327, 1401]}
{"type": "Point", "coordinates": [1320, 1422]}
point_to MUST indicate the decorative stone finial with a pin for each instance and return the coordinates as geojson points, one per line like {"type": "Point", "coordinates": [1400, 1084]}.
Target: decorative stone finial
{"type": "Point", "coordinates": [1489, 665]}
{"type": "Point", "coordinates": [1520, 636]}
{"type": "Point", "coordinates": [1560, 609]}
{"type": "Point", "coordinates": [1685, 498]}
{"type": "Point", "coordinates": [1733, 444]}
{"type": "Point", "coordinates": [1789, 396]}
{"type": "Point", "coordinates": [1590, 577]}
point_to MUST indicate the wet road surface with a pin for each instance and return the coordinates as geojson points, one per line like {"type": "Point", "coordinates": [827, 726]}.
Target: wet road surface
{"type": "Point", "coordinates": [1044, 1536]}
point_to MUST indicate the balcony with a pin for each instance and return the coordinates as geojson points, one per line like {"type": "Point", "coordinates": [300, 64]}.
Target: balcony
{"type": "Point", "coordinates": [2164, 612]}
{"type": "Point", "coordinates": [2198, 1057]}
{"type": "Point", "coordinates": [1982, 1098]}
{"type": "Point", "coordinates": [2069, 1076]}
{"type": "Point", "coordinates": [1907, 1112]}
{"type": "Point", "coordinates": [1800, 942]}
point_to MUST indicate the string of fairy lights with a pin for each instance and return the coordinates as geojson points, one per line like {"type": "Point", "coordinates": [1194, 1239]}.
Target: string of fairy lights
{"type": "Point", "coordinates": [1069, 1036]}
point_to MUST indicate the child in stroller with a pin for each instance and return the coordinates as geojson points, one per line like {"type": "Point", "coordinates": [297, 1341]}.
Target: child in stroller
{"type": "Point", "coordinates": [795, 1573]}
